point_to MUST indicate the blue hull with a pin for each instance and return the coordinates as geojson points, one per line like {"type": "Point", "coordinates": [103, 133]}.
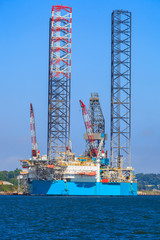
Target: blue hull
{"type": "Point", "coordinates": [39, 187]}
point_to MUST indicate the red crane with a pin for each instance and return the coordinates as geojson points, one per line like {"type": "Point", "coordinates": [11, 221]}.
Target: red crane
{"type": "Point", "coordinates": [89, 130]}
{"type": "Point", "coordinates": [33, 133]}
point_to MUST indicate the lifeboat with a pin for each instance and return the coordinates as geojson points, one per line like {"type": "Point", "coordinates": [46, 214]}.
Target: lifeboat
{"type": "Point", "coordinates": [91, 174]}
{"type": "Point", "coordinates": [23, 172]}
{"type": "Point", "coordinates": [82, 173]}
{"type": "Point", "coordinates": [50, 166]}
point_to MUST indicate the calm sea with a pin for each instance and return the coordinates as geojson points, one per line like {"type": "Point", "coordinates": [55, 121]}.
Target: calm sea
{"type": "Point", "coordinates": [28, 217]}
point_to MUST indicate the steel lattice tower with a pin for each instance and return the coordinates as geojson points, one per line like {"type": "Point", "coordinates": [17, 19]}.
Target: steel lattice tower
{"type": "Point", "coordinates": [59, 81]}
{"type": "Point", "coordinates": [96, 118]}
{"type": "Point", "coordinates": [96, 115]}
{"type": "Point", "coordinates": [121, 89]}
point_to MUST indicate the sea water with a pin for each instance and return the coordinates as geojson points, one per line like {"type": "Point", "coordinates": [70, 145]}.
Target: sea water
{"type": "Point", "coordinates": [42, 217]}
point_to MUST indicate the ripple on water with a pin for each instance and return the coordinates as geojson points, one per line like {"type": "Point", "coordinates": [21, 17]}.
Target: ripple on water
{"type": "Point", "coordinates": [27, 217]}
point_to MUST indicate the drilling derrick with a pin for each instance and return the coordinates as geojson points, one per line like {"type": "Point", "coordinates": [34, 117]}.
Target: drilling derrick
{"type": "Point", "coordinates": [121, 89]}
{"type": "Point", "coordinates": [97, 122]}
{"type": "Point", "coordinates": [59, 81]}
{"type": "Point", "coordinates": [89, 129]}
{"type": "Point", "coordinates": [96, 115]}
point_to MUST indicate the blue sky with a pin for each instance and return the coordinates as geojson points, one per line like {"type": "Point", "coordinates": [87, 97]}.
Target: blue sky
{"type": "Point", "coordinates": [24, 37]}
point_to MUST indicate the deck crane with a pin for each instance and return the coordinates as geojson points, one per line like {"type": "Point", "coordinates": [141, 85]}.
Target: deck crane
{"type": "Point", "coordinates": [35, 151]}
{"type": "Point", "coordinates": [89, 130]}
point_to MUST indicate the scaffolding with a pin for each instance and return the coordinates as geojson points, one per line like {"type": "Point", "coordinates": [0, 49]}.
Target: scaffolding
{"type": "Point", "coordinates": [121, 89]}
{"type": "Point", "coordinates": [23, 183]}
{"type": "Point", "coordinates": [59, 83]}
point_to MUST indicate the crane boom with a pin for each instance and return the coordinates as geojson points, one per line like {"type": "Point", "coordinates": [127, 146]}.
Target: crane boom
{"type": "Point", "coordinates": [89, 130]}
{"type": "Point", "coordinates": [33, 133]}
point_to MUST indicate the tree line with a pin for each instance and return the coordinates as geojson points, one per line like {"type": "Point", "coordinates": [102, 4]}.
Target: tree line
{"type": "Point", "coordinates": [148, 181]}
{"type": "Point", "coordinates": [10, 176]}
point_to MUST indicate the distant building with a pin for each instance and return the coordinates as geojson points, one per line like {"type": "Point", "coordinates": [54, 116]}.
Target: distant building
{"type": "Point", "coordinates": [5, 183]}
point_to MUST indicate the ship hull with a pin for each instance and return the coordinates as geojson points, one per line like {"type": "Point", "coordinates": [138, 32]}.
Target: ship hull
{"type": "Point", "coordinates": [62, 188]}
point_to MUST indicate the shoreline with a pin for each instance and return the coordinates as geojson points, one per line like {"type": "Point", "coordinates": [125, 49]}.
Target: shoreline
{"type": "Point", "coordinates": [139, 193]}
{"type": "Point", "coordinates": [148, 193]}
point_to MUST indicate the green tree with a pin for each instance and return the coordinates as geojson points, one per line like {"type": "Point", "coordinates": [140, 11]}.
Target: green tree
{"type": "Point", "coordinates": [4, 175]}
{"type": "Point", "coordinates": [11, 174]}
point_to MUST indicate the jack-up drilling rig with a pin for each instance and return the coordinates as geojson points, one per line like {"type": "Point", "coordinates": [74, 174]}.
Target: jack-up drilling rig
{"type": "Point", "coordinates": [60, 172]}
